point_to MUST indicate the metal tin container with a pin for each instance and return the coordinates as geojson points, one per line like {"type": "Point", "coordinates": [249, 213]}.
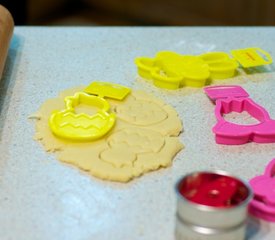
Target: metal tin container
{"type": "Point", "coordinates": [211, 206]}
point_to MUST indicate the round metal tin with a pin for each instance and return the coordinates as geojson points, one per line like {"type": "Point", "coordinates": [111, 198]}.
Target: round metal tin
{"type": "Point", "coordinates": [200, 218]}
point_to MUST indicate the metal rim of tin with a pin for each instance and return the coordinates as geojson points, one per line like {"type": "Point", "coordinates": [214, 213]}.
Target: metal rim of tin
{"type": "Point", "coordinates": [209, 230]}
{"type": "Point", "coordinates": [210, 208]}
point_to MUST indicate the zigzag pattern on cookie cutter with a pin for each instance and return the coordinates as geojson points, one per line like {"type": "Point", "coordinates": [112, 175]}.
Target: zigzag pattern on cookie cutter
{"type": "Point", "coordinates": [82, 127]}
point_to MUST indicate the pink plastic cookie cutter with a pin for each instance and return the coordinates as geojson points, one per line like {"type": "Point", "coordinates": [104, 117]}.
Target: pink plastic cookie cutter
{"type": "Point", "coordinates": [231, 98]}
{"type": "Point", "coordinates": [263, 203]}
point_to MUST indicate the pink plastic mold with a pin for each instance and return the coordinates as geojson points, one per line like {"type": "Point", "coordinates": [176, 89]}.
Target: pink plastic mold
{"type": "Point", "coordinates": [233, 98]}
{"type": "Point", "coordinates": [263, 203]}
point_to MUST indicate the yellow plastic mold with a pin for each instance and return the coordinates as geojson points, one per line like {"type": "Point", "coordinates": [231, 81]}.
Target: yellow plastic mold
{"type": "Point", "coordinates": [252, 57]}
{"type": "Point", "coordinates": [68, 124]}
{"type": "Point", "coordinates": [144, 66]}
{"type": "Point", "coordinates": [214, 57]}
{"type": "Point", "coordinates": [171, 70]}
{"type": "Point", "coordinates": [110, 90]}
{"type": "Point", "coordinates": [220, 64]}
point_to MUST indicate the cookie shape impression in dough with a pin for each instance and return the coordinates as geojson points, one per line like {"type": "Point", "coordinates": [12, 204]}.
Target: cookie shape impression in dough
{"type": "Point", "coordinates": [151, 114]}
{"type": "Point", "coordinates": [144, 137]}
{"type": "Point", "coordinates": [133, 142]}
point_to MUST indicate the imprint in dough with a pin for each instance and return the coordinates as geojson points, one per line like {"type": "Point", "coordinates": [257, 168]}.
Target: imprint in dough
{"type": "Point", "coordinates": [137, 139]}
{"type": "Point", "coordinates": [145, 138]}
{"type": "Point", "coordinates": [118, 156]}
{"type": "Point", "coordinates": [141, 113]}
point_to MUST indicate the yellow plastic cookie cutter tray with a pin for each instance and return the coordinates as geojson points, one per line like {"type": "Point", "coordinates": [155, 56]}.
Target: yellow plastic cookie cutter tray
{"type": "Point", "coordinates": [68, 124]}
{"type": "Point", "coordinates": [171, 70]}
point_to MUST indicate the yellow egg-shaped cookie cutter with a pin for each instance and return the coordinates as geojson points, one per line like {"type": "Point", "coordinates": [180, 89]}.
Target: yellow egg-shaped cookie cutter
{"type": "Point", "coordinates": [68, 124]}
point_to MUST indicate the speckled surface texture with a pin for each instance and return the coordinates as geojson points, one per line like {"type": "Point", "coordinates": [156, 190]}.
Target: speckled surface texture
{"type": "Point", "coordinates": [41, 198]}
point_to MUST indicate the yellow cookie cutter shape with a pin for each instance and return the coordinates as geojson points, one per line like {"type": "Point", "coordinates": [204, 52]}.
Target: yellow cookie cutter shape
{"type": "Point", "coordinates": [171, 70]}
{"type": "Point", "coordinates": [252, 57]}
{"type": "Point", "coordinates": [69, 125]}
{"type": "Point", "coordinates": [221, 65]}
{"type": "Point", "coordinates": [110, 90]}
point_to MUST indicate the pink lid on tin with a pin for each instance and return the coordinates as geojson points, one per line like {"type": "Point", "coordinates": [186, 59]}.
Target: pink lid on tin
{"type": "Point", "coordinates": [213, 190]}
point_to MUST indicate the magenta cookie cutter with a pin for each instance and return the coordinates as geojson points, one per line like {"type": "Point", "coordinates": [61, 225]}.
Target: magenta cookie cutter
{"type": "Point", "coordinates": [232, 98]}
{"type": "Point", "coordinates": [263, 204]}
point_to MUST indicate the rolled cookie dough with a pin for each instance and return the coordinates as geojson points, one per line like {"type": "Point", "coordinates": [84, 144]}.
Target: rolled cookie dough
{"type": "Point", "coordinates": [145, 138]}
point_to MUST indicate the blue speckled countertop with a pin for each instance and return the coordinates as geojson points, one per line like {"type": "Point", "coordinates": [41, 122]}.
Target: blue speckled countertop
{"type": "Point", "coordinates": [41, 198]}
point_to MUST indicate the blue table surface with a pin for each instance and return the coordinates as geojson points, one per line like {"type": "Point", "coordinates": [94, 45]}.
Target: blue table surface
{"type": "Point", "coordinates": [41, 198]}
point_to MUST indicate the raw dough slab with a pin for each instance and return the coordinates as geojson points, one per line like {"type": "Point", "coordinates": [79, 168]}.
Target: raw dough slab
{"type": "Point", "coordinates": [145, 138]}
